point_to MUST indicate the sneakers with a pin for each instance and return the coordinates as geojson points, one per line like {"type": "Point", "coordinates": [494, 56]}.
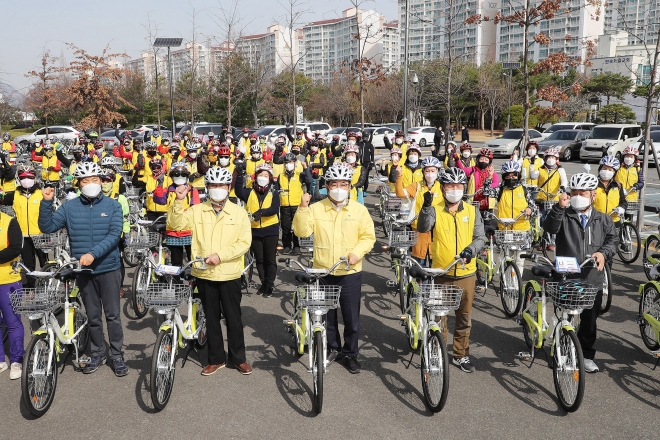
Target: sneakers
{"type": "Point", "coordinates": [3, 366]}
{"type": "Point", "coordinates": [296, 250]}
{"type": "Point", "coordinates": [286, 251]}
{"type": "Point", "coordinates": [464, 364]}
{"type": "Point", "coordinates": [332, 356]}
{"type": "Point", "coordinates": [261, 290]}
{"type": "Point", "coordinates": [94, 364]}
{"type": "Point", "coordinates": [268, 292]}
{"type": "Point", "coordinates": [590, 366]}
{"type": "Point", "coordinates": [352, 365]}
{"type": "Point", "coordinates": [16, 371]}
{"type": "Point", "coordinates": [119, 367]}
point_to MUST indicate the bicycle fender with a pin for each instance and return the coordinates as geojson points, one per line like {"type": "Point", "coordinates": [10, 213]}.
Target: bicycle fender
{"type": "Point", "coordinates": [643, 287]}
{"type": "Point", "coordinates": [533, 283]}
{"type": "Point", "coordinates": [41, 331]}
{"type": "Point", "coordinates": [165, 327]}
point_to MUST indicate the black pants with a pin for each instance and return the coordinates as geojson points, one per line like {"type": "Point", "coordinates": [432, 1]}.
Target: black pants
{"type": "Point", "coordinates": [286, 221]}
{"type": "Point", "coordinates": [176, 254]}
{"type": "Point", "coordinates": [228, 294]}
{"type": "Point", "coordinates": [28, 255]}
{"type": "Point", "coordinates": [587, 331]}
{"type": "Point", "coordinates": [265, 256]}
{"type": "Point", "coordinates": [349, 302]}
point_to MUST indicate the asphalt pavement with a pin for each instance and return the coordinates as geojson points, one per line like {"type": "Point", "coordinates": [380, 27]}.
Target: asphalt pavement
{"type": "Point", "coordinates": [503, 398]}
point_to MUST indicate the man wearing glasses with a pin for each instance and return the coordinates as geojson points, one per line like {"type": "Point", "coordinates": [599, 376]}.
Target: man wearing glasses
{"type": "Point", "coordinates": [341, 228]}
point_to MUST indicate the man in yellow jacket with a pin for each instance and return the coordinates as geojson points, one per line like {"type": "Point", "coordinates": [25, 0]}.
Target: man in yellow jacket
{"type": "Point", "coordinates": [341, 228]}
{"type": "Point", "coordinates": [221, 234]}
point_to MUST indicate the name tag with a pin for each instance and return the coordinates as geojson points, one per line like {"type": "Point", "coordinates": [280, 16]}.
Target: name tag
{"type": "Point", "coordinates": [466, 219]}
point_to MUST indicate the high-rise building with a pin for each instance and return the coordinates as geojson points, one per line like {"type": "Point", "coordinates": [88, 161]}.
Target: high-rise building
{"type": "Point", "coordinates": [391, 46]}
{"type": "Point", "coordinates": [640, 18]}
{"type": "Point", "coordinates": [272, 50]}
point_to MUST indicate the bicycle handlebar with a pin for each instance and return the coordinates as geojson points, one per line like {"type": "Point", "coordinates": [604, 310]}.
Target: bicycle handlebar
{"type": "Point", "coordinates": [318, 273]}
{"type": "Point", "coordinates": [437, 270]}
{"type": "Point", "coordinates": [19, 265]}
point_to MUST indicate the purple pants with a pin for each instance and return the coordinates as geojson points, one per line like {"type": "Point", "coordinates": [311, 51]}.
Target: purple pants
{"type": "Point", "coordinates": [12, 323]}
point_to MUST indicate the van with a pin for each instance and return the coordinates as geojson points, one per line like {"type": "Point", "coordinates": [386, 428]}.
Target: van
{"type": "Point", "coordinates": [614, 137]}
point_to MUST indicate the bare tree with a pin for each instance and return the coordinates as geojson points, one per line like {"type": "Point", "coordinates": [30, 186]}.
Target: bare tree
{"type": "Point", "coordinates": [43, 96]}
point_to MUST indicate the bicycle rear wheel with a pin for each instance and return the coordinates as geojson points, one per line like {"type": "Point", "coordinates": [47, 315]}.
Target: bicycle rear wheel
{"type": "Point", "coordinates": [403, 283]}
{"type": "Point", "coordinates": [162, 372]}
{"type": "Point", "coordinates": [569, 377]}
{"type": "Point", "coordinates": [606, 303]}
{"type": "Point", "coordinates": [80, 319]}
{"type": "Point", "coordinates": [435, 374]}
{"type": "Point", "coordinates": [652, 246]}
{"type": "Point", "coordinates": [38, 385]}
{"type": "Point", "coordinates": [510, 290]}
{"type": "Point", "coordinates": [530, 292]}
{"type": "Point", "coordinates": [141, 280]}
{"type": "Point", "coordinates": [200, 318]}
{"type": "Point", "coordinates": [131, 257]}
{"type": "Point", "coordinates": [648, 303]}
{"type": "Point", "coordinates": [317, 371]}
{"type": "Point", "coordinates": [629, 244]}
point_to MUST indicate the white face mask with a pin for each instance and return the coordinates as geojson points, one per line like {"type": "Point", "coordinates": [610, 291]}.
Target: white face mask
{"type": "Point", "coordinates": [629, 160]}
{"type": "Point", "coordinates": [580, 203]}
{"type": "Point", "coordinates": [91, 190]}
{"type": "Point", "coordinates": [290, 166]}
{"type": "Point", "coordinates": [224, 161]}
{"type": "Point", "coordinates": [454, 195]}
{"type": "Point", "coordinates": [412, 158]}
{"type": "Point", "coordinates": [606, 174]}
{"type": "Point", "coordinates": [398, 141]}
{"type": "Point", "coordinates": [218, 194]}
{"type": "Point", "coordinates": [256, 156]}
{"type": "Point", "coordinates": [467, 153]}
{"type": "Point", "coordinates": [350, 159]}
{"type": "Point", "coordinates": [351, 142]}
{"type": "Point", "coordinates": [395, 158]}
{"type": "Point", "coordinates": [531, 152]}
{"type": "Point", "coordinates": [338, 194]}
{"type": "Point", "coordinates": [245, 135]}
{"type": "Point", "coordinates": [181, 180]}
{"type": "Point", "coordinates": [27, 183]}
{"type": "Point", "coordinates": [430, 177]}
{"type": "Point", "coordinates": [262, 181]}
{"type": "Point", "coordinates": [551, 162]}
{"type": "Point", "coordinates": [192, 155]}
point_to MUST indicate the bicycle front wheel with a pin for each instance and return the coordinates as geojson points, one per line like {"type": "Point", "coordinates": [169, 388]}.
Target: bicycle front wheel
{"type": "Point", "coordinates": [648, 304]}
{"type": "Point", "coordinates": [606, 303]}
{"type": "Point", "coordinates": [162, 370]}
{"type": "Point", "coordinates": [37, 384]}
{"type": "Point", "coordinates": [568, 371]}
{"type": "Point", "coordinates": [403, 283]}
{"type": "Point", "coordinates": [317, 371]}
{"type": "Point", "coordinates": [141, 280]}
{"type": "Point", "coordinates": [510, 290]}
{"type": "Point", "coordinates": [629, 244]}
{"type": "Point", "coordinates": [435, 374]}
{"type": "Point", "coordinates": [528, 332]}
{"type": "Point", "coordinates": [652, 246]}
{"type": "Point", "coordinates": [80, 320]}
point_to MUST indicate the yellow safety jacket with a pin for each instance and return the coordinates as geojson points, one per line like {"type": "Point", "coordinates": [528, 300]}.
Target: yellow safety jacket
{"type": "Point", "coordinates": [6, 272]}
{"type": "Point", "coordinates": [409, 176]}
{"type": "Point", "coordinates": [151, 185]}
{"type": "Point", "coordinates": [511, 204]}
{"type": "Point", "coordinates": [423, 188]}
{"type": "Point", "coordinates": [199, 182]}
{"type": "Point", "coordinates": [357, 170]}
{"type": "Point", "coordinates": [608, 199]}
{"type": "Point", "coordinates": [452, 233]}
{"type": "Point", "coordinates": [628, 177]}
{"type": "Point", "coordinates": [46, 162]}
{"type": "Point", "coordinates": [250, 168]}
{"type": "Point", "coordinates": [253, 206]}
{"type": "Point", "coordinates": [292, 190]}
{"type": "Point", "coordinates": [549, 181]}
{"type": "Point", "coordinates": [528, 166]}
{"type": "Point", "coordinates": [27, 211]}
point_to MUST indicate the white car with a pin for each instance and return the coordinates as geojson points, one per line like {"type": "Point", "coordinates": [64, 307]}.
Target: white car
{"type": "Point", "coordinates": [612, 137]}
{"type": "Point", "coordinates": [60, 131]}
{"type": "Point", "coordinates": [655, 139]}
{"type": "Point", "coordinates": [377, 134]}
{"type": "Point", "coordinates": [313, 127]}
{"type": "Point", "coordinates": [504, 145]}
{"type": "Point", "coordinates": [422, 136]}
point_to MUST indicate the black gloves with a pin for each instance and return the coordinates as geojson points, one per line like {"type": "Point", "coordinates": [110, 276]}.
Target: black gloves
{"type": "Point", "coordinates": [466, 254]}
{"type": "Point", "coordinates": [428, 199]}
{"type": "Point", "coordinates": [256, 216]}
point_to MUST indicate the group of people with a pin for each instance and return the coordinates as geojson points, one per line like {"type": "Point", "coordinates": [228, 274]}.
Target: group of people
{"type": "Point", "coordinates": [224, 197]}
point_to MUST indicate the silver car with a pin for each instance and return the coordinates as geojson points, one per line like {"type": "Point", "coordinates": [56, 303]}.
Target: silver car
{"type": "Point", "coordinates": [504, 145]}
{"type": "Point", "coordinates": [63, 132]}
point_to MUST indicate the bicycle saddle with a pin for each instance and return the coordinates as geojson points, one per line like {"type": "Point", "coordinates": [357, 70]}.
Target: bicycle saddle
{"type": "Point", "coordinates": [418, 274]}
{"type": "Point", "coordinates": [302, 277]}
{"type": "Point", "coordinates": [66, 275]}
{"type": "Point", "coordinates": [656, 256]}
{"type": "Point", "coordinates": [543, 271]}
{"type": "Point", "coordinates": [159, 227]}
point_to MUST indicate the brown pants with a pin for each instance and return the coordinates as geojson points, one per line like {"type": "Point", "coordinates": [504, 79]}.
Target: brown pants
{"type": "Point", "coordinates": [461, 342]}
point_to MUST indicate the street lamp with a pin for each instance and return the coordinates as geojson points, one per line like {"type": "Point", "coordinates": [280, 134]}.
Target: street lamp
{"type": "Point", "coordinates": [405, 71]}
{"type": "Point", "coordinates": [508, 115]}
{"type": "Point", "coordinates": [169, 42]}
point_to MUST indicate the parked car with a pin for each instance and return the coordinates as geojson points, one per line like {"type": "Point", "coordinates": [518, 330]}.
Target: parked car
{"type": "Point", "coordinates": [613, 137]}
{"type": "Point", "coordinates": [61, 131]}
{"type": "Point", "coordinates": [201, 129]}
{"type": "Point", "coordinates": [109, 139]}
{"type": "Point", "coordinates": [342, 132]}
{"type": "Point", "coordinates": [655, 139]}
{"type": "Point", "coordinates": [321, 127]}
{"type": "Point", "coordinates": [377, 133]}
{"type": "Point", "coordinates": [239, 131]}
{"type": "Point", "coordinates": [569, 143]}
{"type": "Point", "coordinates": [423, 136]}
{"type": "Point", "coordinates": [393, 125]}
{"type": "Point", "coordinates": [141, 128]}
{"type": "Point", "coordinates": [24, 124]}
{"type": "Point", "coordinates": [567, 126]}
{"type": "Point", "coordinates": [504, 145]}
{"type": "Point", "coordinates": [654, 128]}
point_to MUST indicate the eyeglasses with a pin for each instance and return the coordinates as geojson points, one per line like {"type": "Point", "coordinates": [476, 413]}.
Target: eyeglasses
{"type": "Point", "coordinates": [178, 174]}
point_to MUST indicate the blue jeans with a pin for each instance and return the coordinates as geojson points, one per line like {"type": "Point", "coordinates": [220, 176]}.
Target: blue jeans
{"type": "Point", "coordinates": [13, 324]}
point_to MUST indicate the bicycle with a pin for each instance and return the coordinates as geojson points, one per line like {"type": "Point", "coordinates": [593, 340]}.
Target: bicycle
{"type": "Point", "coordinates": [651, 254]}
{"type": "Point", "coordinates": [400, 240]}
{"type": "Point", "coordinates": [173, 333]}
{"type": "Point", "coordinates": [569, 297]}
{"type": "Point", "coordinates": [550, 201]}
{"type": "Point", "coordinates": [39, 379]}
{"type": "Point", "coordinates": [506, 241]}
{"type": "Point", "coordinates": [311, 302]}
{"type": "Point", "coordinates": [629, 241]}
{"type": "Point", "coordinates": [427, 303]}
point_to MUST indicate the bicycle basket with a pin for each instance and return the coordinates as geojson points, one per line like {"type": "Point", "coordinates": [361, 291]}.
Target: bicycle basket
{"type": "Point", "coordinates": [440, 296]}
{"type": "Point", "coordinates": [134, 206]}
{"type": "Point", "coordinates": [132, 191]}
{"type": "Point", "coordinates": [574, 294]}
{"type": "Point", "coordinates": [35, 300]}
{"type": "Point", "coordinates": [321, 297]}
{"type": "Point", "coordinates": [143, 240]}
{"type": "Point", "coordinates": [512, 238]}
{"type": "Point", "coordinates": [403, 239]}
{"type": "Point", "coordinates": [548, 204]}
{"type": "Point", "coordinates": [307, 243]}
{"type": "Point", "coordinates": [164, 296]}
{"type": "Point", "coordinates": [632, 208]}
{"type": "Point", "coordinates": [48, 242]}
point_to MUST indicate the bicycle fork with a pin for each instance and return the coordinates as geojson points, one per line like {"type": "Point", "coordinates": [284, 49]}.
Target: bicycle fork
{"type": "Point", "coordinates": [562, 359]}
{"type": "Point", "coordinates": [317, 326]}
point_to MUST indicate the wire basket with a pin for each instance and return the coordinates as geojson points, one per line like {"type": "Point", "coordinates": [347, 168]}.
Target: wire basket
{"type": "Point", "coordinates": [440, 296]}
{"type": "Point", "coordinates": [632, 208]}
{"type": "Point", "coordinates": [134, 206]}
{"type": "Point", "coordinates": [403, 239]}
{"type": "Point", "coordinates": [321, 297]}
{"type": "Point", "coordinates": [307, 243]}
{"type": "Point", "coordinates": [48, 242]}
{"type": "Point", "coordinates": [392, 205]}
{"type": "Point", "coordinates": [512, 238]}
{"type": "Point", "coordinates": [572, 294]}
{"type": "Point", "coordinates": [132, 191]}
{"type": "Point", "coordinates": [165, 296]}
{"type": "Point", "coordinates": [35, 300]}
{"type": "Point", "coordinates": [142, 240]}
{"type": "Point", "coordinates": [548, 204]}
{"type": "Point", "coordinates": [7, 209]}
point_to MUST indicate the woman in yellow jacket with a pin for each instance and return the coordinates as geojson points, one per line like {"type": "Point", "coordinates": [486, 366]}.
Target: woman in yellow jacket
{"type": "Point", "coordinates": [609, 193]}
{"type": "Point", "coordinates": [551, 178]}
{"type": "Point", "coordinates": [150, 181]}
{"type": "Point", "coordinates": [531, 163]}
{"type": "Point", "coordinates": [630, 176]}
{"type": "Point", "coordinates": [221, 234]}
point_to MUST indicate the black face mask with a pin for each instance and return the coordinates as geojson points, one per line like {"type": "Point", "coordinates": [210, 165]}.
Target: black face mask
{"type": "Point", "coordinates": [510, 183]}
{"type": "Point", "coordinates": [482, 165]}
{"type": "Point", "coordinates": [77, 156]}
{"type": "Point", "coordinates": [151, 153]}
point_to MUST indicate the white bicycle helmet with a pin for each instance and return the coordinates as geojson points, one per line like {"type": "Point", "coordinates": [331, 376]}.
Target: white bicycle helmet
{"type": "Point", "coordinates": [87, 169]}
{"type": "Point", "coordinates": [630, 150]}
{"type": "Point", "coordinates": [453, 175]}
{"type": "Point", "coordinates": [431, 162]}
{"type": "Point", "coordinates": [108, 161]}
{"type": "Point", "coordinates": [218, 175]}
{"type": "Point", "coordinates": [338, 172]}
{"type": "Point", "coordinates": [583, 181]}
{"type": "Point", "coordinates": [511, 166]}
{"type": "Point", "coordinates": [552, 152]}
{"type": "Point", "coordinates": [351, 149]}
{"type": "Point", "coordinates": [610, 161]}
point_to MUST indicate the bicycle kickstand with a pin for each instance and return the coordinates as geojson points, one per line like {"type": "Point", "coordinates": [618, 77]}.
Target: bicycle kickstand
{"type": "Point", "coordinates": [656, 355]}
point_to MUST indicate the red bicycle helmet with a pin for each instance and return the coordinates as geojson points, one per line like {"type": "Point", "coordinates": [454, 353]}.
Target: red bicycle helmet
{"type": "Point", "coordinates": [486, 153]}
{"type": "Point", "coordinates": [254, 136]}
{"type": "Point", "coordinates": [224, 150]}
{"type": "Point", "coordinates": [399, 133]}
{"type": "Point", "coordinates": [352, 134]}
{"type": "Point", "coordinates": [466, 146]}
{"type": "Point", "coordinates": [245, 130]}
{"type": "Point", "coordinates": [532, 144]}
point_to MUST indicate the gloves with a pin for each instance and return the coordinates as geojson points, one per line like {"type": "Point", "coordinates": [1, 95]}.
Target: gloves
{"type": "Point", "coordinates": [466, 254]}
{"type": "Point", "coordinates": [428, 199]}
{"type": "Point", "coordinates": [534, 174]}
{"type": "Point", "coordinates": [256, 216]}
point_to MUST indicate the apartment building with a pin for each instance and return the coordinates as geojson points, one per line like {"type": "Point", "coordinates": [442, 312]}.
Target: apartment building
{"type": "Point", "coordinates": [272, 50]}
{"type": "Point", "coordinates": [391, 46]}
{"type": "Point", "coordinates": [640, 18]}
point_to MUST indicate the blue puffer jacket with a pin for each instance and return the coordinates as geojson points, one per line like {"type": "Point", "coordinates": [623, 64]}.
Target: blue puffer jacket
{"type": "Point", "coordinates": [94, 227]}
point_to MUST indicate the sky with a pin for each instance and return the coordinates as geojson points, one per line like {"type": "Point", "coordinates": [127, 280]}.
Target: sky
{"type": "Point", "coordinates": [30, 27]}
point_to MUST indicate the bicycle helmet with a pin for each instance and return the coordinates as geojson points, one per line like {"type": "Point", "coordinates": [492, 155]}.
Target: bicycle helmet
{"type": "Point", "coordinates": [290, 157]}
{"type": "Point", "coordinates": [280, 141]}
{"type": "Point", "coordinates": [453, 175]}
{"type": "Point", "coordinates": [409, 140]}
{"type": "Point", "coordinates": [511, 166]}
{"type": "Point", "coordinates": [554, 152]}
{"type": "Point", "coordinates": [6, 136]}
{"type": "Point", "coordinates": [351, 134]}
{"type": "Point", "coordinates": [87, 169]}
{"type": "Point", "coordinates": [255, 149]}
{"type": "Point", "coordinates": [338, 172]}
{"type": "Point", "coordinates": [358, 134]}
{"type": "Point", "coordinates": [583, 181]}
{"type": "Point", "coordinates": [177, 139]}
{"type": "Point", "coordinates": [414, 147]}
{"type": "Point", "coordinates": [218, 175]}
{"type": "Point", "coordinates": [224, 150]}
{"type": "Point", "coordinates": [431, 162]}
{"type": "Point", "coordinates": [25, 171]}
{"type": "Point", "coordinates": [399, 133]}
{"type": "Point", "coordinates": [254, 136]}
{"type": "Point", "coordinates": [630, 150]}
{"type": "Point", "coordinates": [210, 134]}
{"type": "Point", "coordinates": [180, 167]}
{"type": "Point", "coordinates": [154, 163]}
{"type": "Point", "coordinates": [486, 152]}
{"type": "Point", "coordinates": [108, 161]}
{"type": "Point", "coordinates": [610, 161]}
{"type": "Point", "coordinates": [351, 149]}
{"type": "Point", "coordinates": [151, 145]}
{"type": "Point", "coordinates": [396, 150]}
{"type": "Point", "coordinates": [93, 134]}
{"type": "Point", "coordinates": [77, 149]}
{"type": "Point", "coordinates": [532, 144]}
{"type": "Point", "coordinates": [166, 142]}
{"type": "Point", "coordinates": [465, 146]}
{"type": "Point", "coordinates": [264, 167]}
{"type": "Point", "coordinates": [245, 130]}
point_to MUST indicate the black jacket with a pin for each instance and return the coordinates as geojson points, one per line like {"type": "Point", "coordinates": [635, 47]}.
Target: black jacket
{"type": "Point", "coordinates": [465, 135]}
{"type": "Point", "coordinates": [600, 235]}
{"type": "Point", "coordinates": [438, 142]}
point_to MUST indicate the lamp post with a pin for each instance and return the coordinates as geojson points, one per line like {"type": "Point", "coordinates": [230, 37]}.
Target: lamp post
{"type": "Point", "coordinates": [510, 66]}
{"type": "Point", "coordinates": [405, 72]}
{"type": "Point", "coordinates": [169, 42]}
{"type": "Point", "coordinates": [415, 81]}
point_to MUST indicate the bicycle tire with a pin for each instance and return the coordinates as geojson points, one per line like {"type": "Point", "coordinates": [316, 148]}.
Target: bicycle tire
{"type": "Point", "coordinates": [200, 318]}
{"type": "Point", "coordinates": [435, 369]}
{"type": "Point", "coordinates": [39, 401]}
{"type": "Point", "coordinates": [141, 277]}
{"type": "Point", "coordinates": [403, 282]}
{"type": "Point", "coordinates": [606, 302]}
{"type": "Point", "coordinates": [511, 302]}
{"type": "Point", "coordinates": [482, 276]}
{"type": "Point", "coordinates": [530, 292]}
{"type": "Point", "coordinates": [317, 372]}
{"type": "Point", "coordinates": [646, 302]}
{"type": "Point", "coordinates": [547, 253]}
{"type": "Point", "coordinates": [82, 339]}
{"type": "Point", "coordinates": [651, 246]}
{"type": "Point", "coordinates": [131, 258]}
{"type": "Point", "coordinates": [571, 397]}
{"type": "Point", "coordinates": [410, 294]}
{"type": "Point", "coordinates": [161, 380]}
{"type": "Point", "coordinates": [629, 257]}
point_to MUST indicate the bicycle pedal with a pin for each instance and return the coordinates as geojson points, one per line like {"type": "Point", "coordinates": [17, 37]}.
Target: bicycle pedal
{"type": "Point", "coordinates": [253, 285]}
{"type": "Point", "coordinates": [391, 283]}
{"type": "Point", "coordinates": [524, 356]}
{"type": "Point", "coordinates": [403, 318]}
{"type": "Point", "coordinates": [655, 353]}
{"type": "Point", "coordinates": [288, 322]}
